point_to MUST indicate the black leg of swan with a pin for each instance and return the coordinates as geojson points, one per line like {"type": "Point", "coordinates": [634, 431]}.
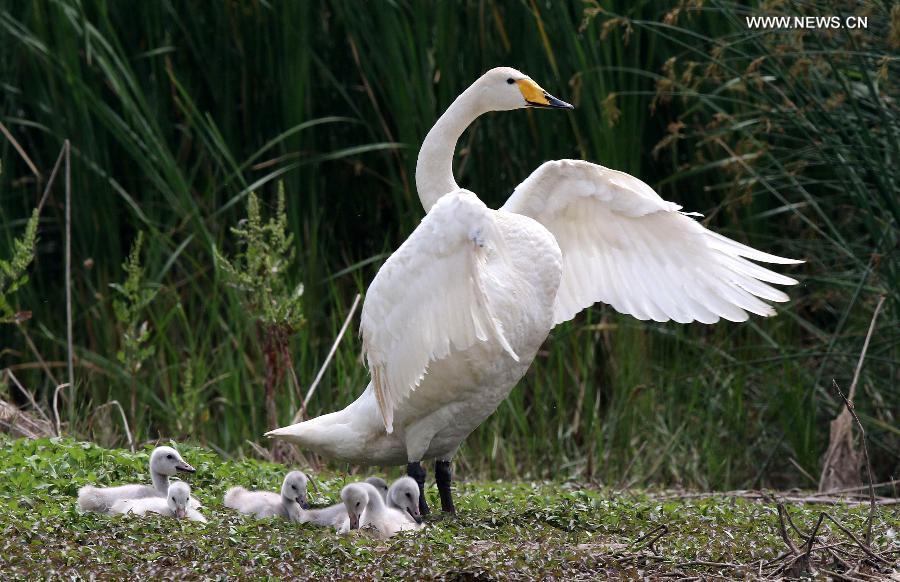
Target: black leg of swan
{"type": "Point", "coordinates": [417, 472]}
{"type": "Point", "coordinates": [443, 476]}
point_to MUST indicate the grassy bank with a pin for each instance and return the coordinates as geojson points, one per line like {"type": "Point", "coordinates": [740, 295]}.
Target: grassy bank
{"type": "Point", "coordinates": [503, 529]}
{"type": "Point", "coordinates": [785, 140]}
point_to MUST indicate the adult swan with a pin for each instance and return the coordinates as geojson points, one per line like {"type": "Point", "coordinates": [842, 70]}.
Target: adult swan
{"type": "Point", "coordinates": [455, 316]}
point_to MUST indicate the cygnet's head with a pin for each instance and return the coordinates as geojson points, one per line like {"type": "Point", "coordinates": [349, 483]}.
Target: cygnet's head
{"type": "Point", "coordinates": [504, 89]}
{"type": "Point", "coordinates": [355, 497]}
{"type": "Point", "coordinates": [167, 461]}
{"type": "Point", "coordinates": [379, 484]}
{"type": "Point", "coordinates": [404, 495]}
{"type": "Point", "coordinates": [294, 488]}
{"type": "Point", "coordinates": [177, 498]}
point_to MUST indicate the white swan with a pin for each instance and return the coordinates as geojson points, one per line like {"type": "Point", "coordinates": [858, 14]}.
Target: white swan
{"type": "Point", "coordinates": [366, 510]}
{"type": "Point", "coordinates": [455, 316]}
{"type": "Point", "coordinates": [176, 503]}
{"type": "Point", "coordinates": [289, 504]}
{"type": "Point", "coordinates": [335, 515]}
{"type": "Point", "coordinates": [403, 495]}
{"type": "Point", "coordinates": [164, 462]}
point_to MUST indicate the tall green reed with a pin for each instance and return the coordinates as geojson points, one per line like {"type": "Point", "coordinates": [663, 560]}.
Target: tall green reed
{"type": "Point", "coordinates": [177, 111]}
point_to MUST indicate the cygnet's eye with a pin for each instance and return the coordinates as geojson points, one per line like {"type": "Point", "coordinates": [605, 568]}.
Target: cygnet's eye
{"type": "Point", "coordinates": [510, 81]}
{"type": "Point", "coordinates": [357, 503]}
{"type": "Point", "coordinates": [294, 487]}
{"type": "Point", "coordinates": [169, 457]}
{"type": "Point", "coordinates": [408, 496]}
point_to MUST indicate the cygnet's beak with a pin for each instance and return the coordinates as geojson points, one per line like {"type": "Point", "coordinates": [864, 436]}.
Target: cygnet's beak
{"type": "Point", "coordinates": [180, 512]}
{"type": "Point", "coordinates": [537, 97]}
{"type": "Point", "coordinates": [302, 502]}
{"type": "Point", "coordinates": [354, 522]}
{"type": "Point", "coordinates": [182, 466]}
{"type": "Point", "coordinates": [417, 517]}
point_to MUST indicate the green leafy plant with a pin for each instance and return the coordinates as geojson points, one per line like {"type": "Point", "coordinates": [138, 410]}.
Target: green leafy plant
{"type": "Point", "coordinates": [12, 270]}
{"type": "Point", "coordinates": [259, 272]}
{"type": "Point", "coordinates": [134, 296]}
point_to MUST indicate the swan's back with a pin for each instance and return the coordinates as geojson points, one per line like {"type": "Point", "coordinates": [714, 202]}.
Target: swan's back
{"type": "Point", "coordinates": [102, 499]}
{"type": "Point", "coordinates": [333, 515]}
{"type": "Point", "coordinates": [385, 521]}
{"type": "Point", "coordinates": [258, 503]}
{"type": "Point", "coordinates": [142, 506]}
{"type": "Point", "coordinates": [147, 505]}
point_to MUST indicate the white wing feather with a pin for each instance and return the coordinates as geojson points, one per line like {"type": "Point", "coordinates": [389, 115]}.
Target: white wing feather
{"type": "Point", "coordinates": [624, 245]}
{"type": "Point", "coordinates": [429, 298]}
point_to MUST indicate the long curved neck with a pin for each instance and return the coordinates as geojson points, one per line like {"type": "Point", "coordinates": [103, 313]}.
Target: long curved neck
{"type": "Point", "coordinates": [434, 168]}
{"type": "Point", "coordinates": [160, 481]}
{"type": "Point", "coordinates": [375, 505]}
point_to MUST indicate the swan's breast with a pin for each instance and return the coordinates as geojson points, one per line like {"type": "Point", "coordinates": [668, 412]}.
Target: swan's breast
{"type": "Point", "coordinates": [463, 389]}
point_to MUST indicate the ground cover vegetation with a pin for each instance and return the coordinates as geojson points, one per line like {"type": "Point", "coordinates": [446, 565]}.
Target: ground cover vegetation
{"type": "Point", "coordinates": [504, 530]}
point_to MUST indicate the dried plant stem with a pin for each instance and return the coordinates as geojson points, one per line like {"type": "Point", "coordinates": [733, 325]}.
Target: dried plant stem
{"type": "Point", "coordinates": [841, 437]}
{"type": "Point", "coordinates": [124, 420]}
{"type": "Point", "coordinates": [56, 408]}
{"type": "Point", "coordinates": [36, 353]}
{"type": "Point", "coordinates": [865, 348]}
{"type": "Point", "coordinates": [27, 394]}
{"type": "Point", "coordinates": [70, 367]}
{"type": "Point", "coordinates": [862, 436]}
{"type": "Point", "coordinates": [312, 388]}
{"type": "Point", "coordinates": [21, 151]}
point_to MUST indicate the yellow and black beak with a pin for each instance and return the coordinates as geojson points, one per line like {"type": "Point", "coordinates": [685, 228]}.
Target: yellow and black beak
{"type": "Point", "coordinates": [537, 97]}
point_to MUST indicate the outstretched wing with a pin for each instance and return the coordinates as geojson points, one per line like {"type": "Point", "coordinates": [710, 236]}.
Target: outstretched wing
{"type": "Point", "coordinates": [624, 245]}
{"type": "Point", "coordinates": [429, 297]}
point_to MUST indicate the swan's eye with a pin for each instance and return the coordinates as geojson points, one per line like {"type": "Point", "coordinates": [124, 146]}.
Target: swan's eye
{"type": "Point", "coordinates": [294, 487]}
{"type": "Point", "coordinates": [169, 457]}
{"type": "Point", "coordinates": [408, 496]}
{"type": "Point", "coordinates": [510, 81]}
{"type": "Point", "coordinates": [357, 503]}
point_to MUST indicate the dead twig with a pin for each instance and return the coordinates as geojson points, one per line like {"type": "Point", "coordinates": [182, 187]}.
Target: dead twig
{"type": "Point", "coordinates": [56, 409]}
{"type": "Point", "coordinates": [312, 388]}
{"type": "Point", "coordinates": [806, 561]}
{"type": "Point", "coordinates": [864, 547]}
{"type": "Point", "coordinates": [21, 151]}
{"type": "Point", "coordinates": [70, 368]}
{"type": "Point", "coordinates": [854, 489]}
{"type": "Point", "coordinates": [783, 529]}
{"type": "Point", "coordinates": [841, 464]}
{"type": "Point", "coordinates": [36, 353]}
{"type": "Point", "coordinates": [27, 394]}
{"type": "Point", "coordinates": [124, 419]}
{"type": "Point", "coordinates": [862, 434]}
{"type": "Point", "coordinates": [652, 537]}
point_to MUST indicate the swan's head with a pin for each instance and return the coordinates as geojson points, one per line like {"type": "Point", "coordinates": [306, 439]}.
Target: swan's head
{"type": "Point", "coordinates": [294, 488]}
{"type": "Point", "coordinates": [404, 495]}
{"type": "Point", "coordinates": [167, 461]}
{"type": "Point", "coordinates": [379, 484]}
{"type": "Point", "coordinates": [504, 88]}
{"type": "Point", "coordinates": [177, 498]}
{"type": "Point", "coordinates": [355, 498]}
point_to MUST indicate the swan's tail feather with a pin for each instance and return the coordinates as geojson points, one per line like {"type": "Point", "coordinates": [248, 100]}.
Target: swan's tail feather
{"type": "Point", "coordinates": [91, 498]}
{"type": "Point", "coordinates": [232, 496]}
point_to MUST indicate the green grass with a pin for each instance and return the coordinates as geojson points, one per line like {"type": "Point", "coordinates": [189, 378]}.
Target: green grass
{"type": "Point", "coordinates": [176, 112]}
{"type": "Point", "coordinates": [503, 530]}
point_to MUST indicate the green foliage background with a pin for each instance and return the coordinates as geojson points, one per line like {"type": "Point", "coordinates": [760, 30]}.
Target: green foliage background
{"type": "Point", "coordinates": [176, 111]}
